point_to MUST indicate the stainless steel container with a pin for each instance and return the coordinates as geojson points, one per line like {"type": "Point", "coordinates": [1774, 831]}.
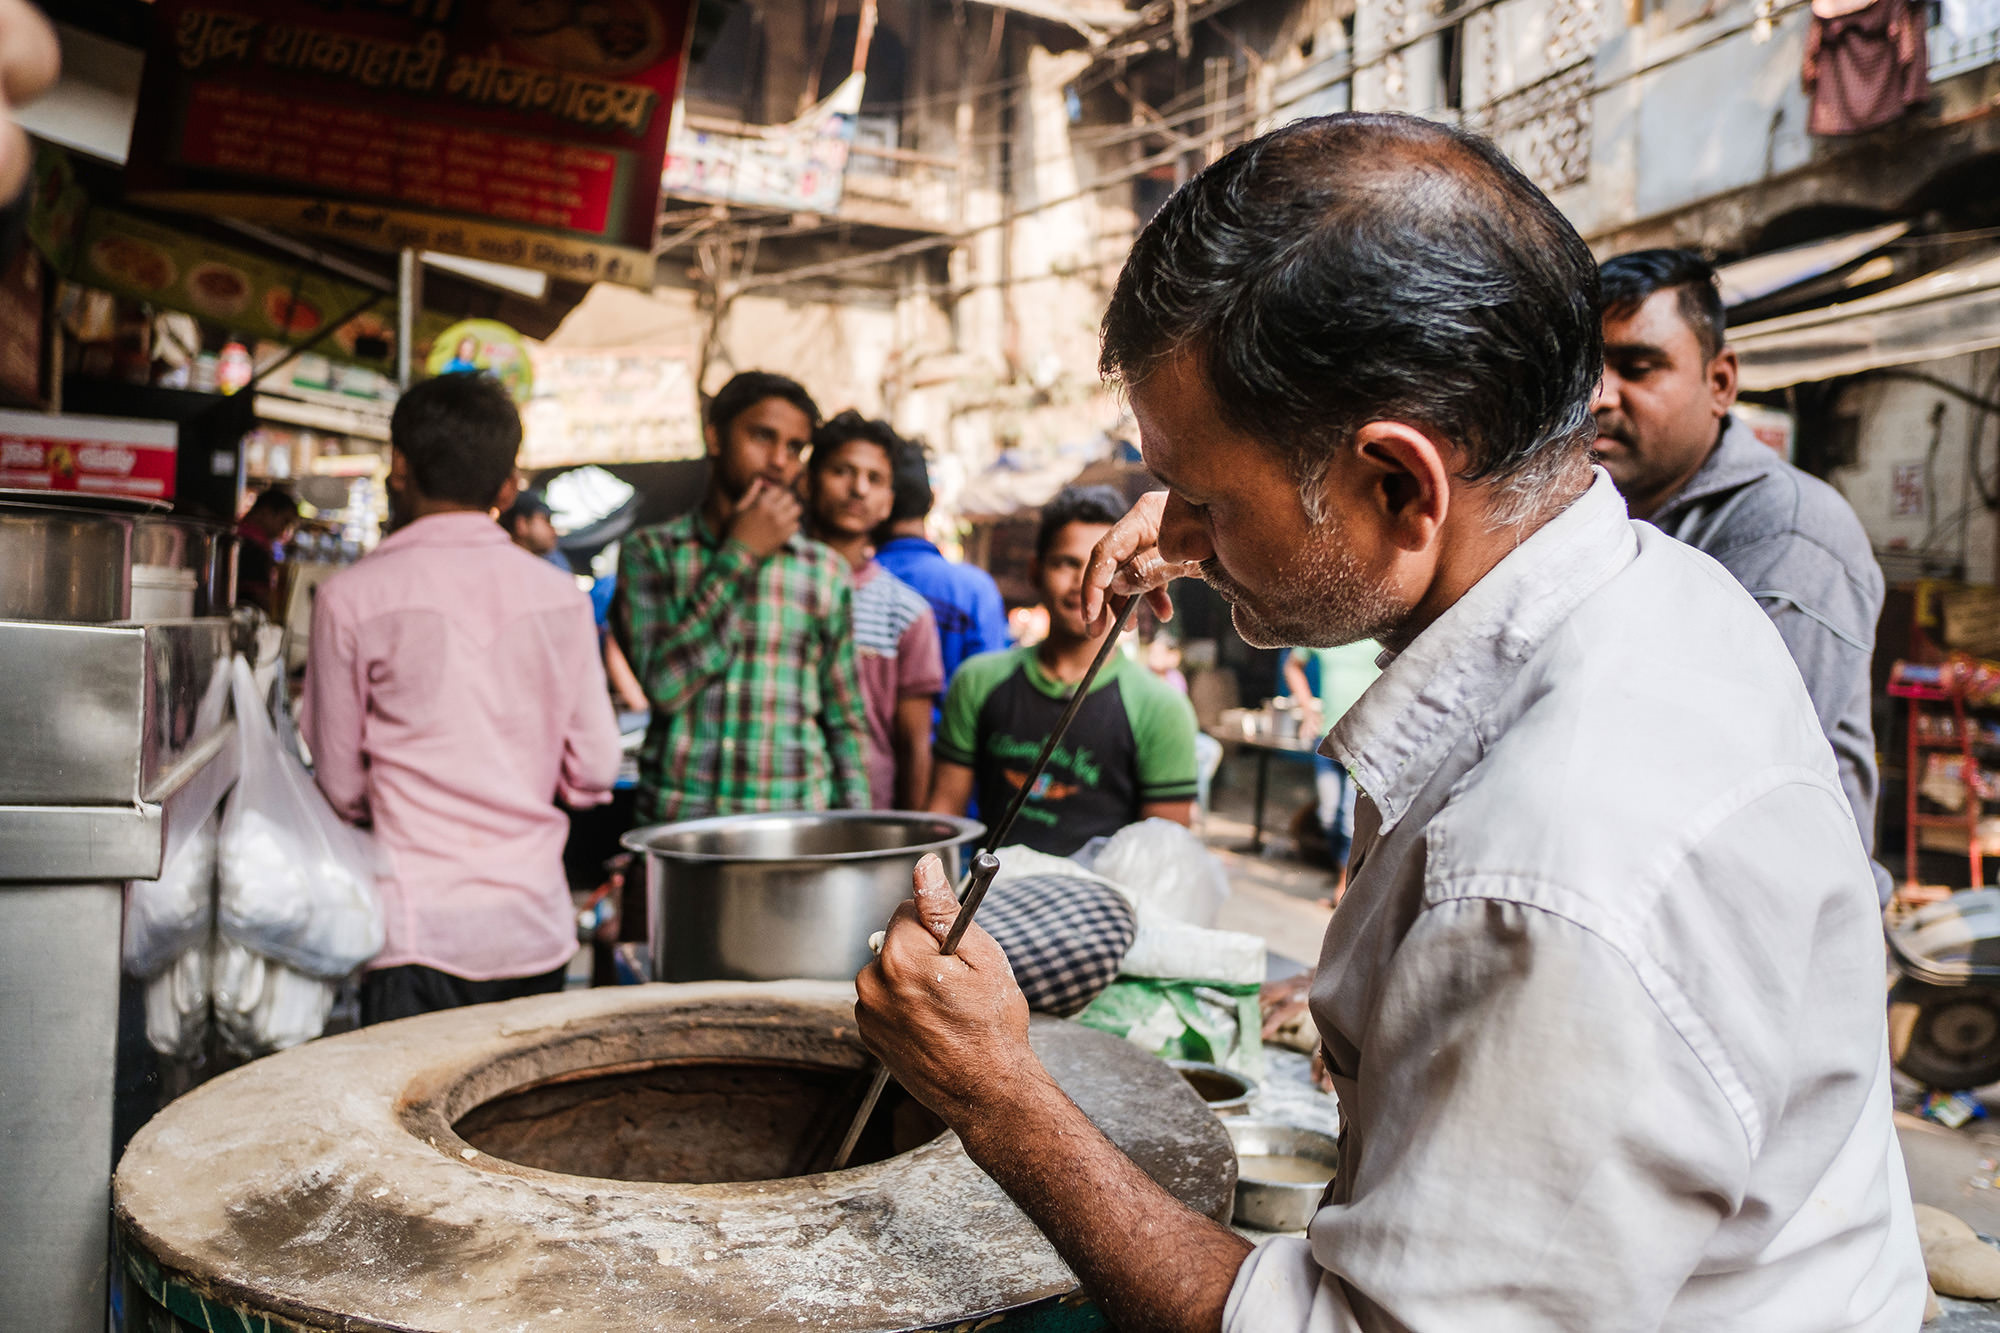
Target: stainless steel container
{"type": "Point", "coordinates": [80, 565]}
{"type": "Point", "coordinates": [1278, 1205]}
{"type": "Point", "coordinates": [777, 896]}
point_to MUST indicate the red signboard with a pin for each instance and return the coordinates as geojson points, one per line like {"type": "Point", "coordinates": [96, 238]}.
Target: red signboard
{"type": "Point", "coordinates": [91, 455]}
{"type": "Point", "coordinates": [509, 130]}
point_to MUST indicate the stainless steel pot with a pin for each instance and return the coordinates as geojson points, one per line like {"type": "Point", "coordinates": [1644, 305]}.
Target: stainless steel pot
{"type": "Point", "coordinates": [777, 896]}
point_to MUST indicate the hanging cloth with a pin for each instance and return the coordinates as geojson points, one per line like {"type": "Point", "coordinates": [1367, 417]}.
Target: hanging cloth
{"type": "Point", "coordinates": [1865, 66]}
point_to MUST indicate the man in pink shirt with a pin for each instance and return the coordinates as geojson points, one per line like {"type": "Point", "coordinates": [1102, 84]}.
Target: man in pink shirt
{"type": "Point", "coordinates": [453, 695]}
{"type": "Point", "coordinates": [850, 483]}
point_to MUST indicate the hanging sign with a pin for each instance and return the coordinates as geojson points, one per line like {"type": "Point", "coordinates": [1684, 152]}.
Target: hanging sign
{"type": "Point", "coordinates": [485, 347]}
{"type": "Point", "coordinates": [801, 166]}
{"type": "Point", "coordinates": [507, 130]}
{"type": "Point", "coordinates": [89, 455]}
{"type": "Point", "coordinates": [248, 294]}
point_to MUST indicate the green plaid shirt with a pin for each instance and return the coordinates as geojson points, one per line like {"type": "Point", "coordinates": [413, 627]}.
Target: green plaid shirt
{"type": "Point", "coordinates": [750, 668]}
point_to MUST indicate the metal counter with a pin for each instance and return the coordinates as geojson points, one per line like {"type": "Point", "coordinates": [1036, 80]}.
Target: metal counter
{"type": "Point", "coordinates": [118, 744]}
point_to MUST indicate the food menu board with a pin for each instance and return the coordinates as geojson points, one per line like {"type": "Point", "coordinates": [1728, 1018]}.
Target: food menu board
{"type": "Point", "coordinates": [89, 455]}
{"type": "Point", "coordinates": [249, 295]}
{"type": "Point", "coordinates": [515, 131]}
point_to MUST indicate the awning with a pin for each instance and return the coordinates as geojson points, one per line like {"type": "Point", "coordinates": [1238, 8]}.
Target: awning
{"type": "Point", "coordinates": [1947, 313]}
{"type": "Point", "coordinates": [1094, 19]}
{"type": "Point", "coordinates": [1760, 275]}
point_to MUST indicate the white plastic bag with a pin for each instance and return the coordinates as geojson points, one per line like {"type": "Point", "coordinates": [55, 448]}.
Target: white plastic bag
{"type": "Point", "coordinates": [263, 1006]}
{"type": "Point", "coordinates": [177, 1004]}
{"type": "Point", "coordinates": [1162, 865]}
{"type": "Point", "coordinates": [298, 883]}
{"type": "Point", "coordinates": [167, 916]}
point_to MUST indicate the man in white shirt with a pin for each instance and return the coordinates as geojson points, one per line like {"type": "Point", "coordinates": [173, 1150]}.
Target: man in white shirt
{"type": "Point", "coordinates": [1602, 1003]}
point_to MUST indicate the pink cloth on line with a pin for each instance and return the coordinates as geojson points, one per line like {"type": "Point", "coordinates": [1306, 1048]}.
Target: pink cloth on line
{"type": "Point", "coordinates": [896, 657]}
{"type": "Point", "coordinates": [454, 692]}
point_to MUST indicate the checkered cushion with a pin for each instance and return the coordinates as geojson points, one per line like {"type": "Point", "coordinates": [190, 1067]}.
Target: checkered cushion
{"type": "Point", "coordinates": [1064, 937]}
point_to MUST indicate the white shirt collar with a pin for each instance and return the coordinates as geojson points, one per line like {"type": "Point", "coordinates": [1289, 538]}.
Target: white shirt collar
{"type": "Point", "coordinates": [1429, 694]}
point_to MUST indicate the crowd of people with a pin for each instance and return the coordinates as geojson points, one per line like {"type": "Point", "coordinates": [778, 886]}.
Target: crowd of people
{"type": "Point", "coordinates": [459, 688]}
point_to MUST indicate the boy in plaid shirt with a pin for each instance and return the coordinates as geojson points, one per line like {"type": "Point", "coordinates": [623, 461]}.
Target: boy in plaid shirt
{"type": "Point", "coordinates": [740, 629]}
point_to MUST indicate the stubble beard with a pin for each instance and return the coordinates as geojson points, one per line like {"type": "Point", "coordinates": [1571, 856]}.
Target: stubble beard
{"type": "Point", "coordinates": [1323, 598]}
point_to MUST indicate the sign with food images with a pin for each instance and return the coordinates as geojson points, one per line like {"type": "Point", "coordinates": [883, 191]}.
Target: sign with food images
{"type": "Point", "coordinates": [243, 292]}
{"type": "Point", "coordinates": [516, 131]}
{"type": "Point", "coordinates": [89, 455]}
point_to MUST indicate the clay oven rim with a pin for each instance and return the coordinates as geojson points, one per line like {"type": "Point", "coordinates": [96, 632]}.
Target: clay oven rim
{"type": "Point", "coordinates": [432, 1105]}
{"type": "Point", "coordinates": [299, 1186]}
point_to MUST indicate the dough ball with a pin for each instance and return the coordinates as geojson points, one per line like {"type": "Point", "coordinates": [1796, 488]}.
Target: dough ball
{"type": "Point", "coordinates": [1935, 1224]}
{"type": "Point", "coordinates": [1932, 1310]}
{"type": "Point", "coordinates": [1966, 1268]}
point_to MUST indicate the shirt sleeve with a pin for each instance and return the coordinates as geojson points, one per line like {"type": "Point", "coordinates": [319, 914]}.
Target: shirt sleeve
{"type": "Point", "coordinates": [678, 634]}
{"type": "Point", "coordinates": [591, 750]}
{"type": "Point", "coordinates": [1523, 1194]}
{"type": "Point", "coordinates": [1826, 617]}
{"type": "Point", "coordinates": [920, 660]}
{"type": "Point", "coordinates": [1163, 727]}
{"type": "Point", "coordinates": [333, 712]}
{"type": "Point", "coordinates": [843, 720]}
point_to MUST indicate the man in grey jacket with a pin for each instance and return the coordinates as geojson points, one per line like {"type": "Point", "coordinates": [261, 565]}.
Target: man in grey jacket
{"type": "Point", "coordinates": [1666, 436]}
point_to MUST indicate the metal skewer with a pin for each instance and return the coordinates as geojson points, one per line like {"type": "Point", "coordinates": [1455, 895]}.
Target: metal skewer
{"type": "Point", "coordinates": [985, 864]}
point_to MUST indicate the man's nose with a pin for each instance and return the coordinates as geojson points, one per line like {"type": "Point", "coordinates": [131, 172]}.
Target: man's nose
{"type": "Point", "coordinates": [1607, 393]}
{"type": "Point", "coordinates": [1182, 536]}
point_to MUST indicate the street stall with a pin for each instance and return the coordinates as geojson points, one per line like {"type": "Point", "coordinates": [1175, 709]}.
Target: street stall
{"type": "Point", "coordinates": [115, 640]}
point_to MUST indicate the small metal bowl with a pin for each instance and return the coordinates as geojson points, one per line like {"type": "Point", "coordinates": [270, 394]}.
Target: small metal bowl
{"type": "Point", "coordinates": [1278, 1205]}
{"type": "Point", "coordinates": [1225, 1091]}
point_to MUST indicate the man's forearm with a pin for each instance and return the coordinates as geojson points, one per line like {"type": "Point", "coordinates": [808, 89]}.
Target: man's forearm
{"type": "Point", "coordinates": [1149, 1261]}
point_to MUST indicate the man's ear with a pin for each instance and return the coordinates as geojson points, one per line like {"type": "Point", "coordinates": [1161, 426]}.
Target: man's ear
{"type": "Point", "coordinates": [713, 439]}
{"type": "Point", "coordinates": [1404, 479]}
{"type": "Point", "coordinates": [510, 490]}
{"type": "Point", "coordinates": [1722, 374]}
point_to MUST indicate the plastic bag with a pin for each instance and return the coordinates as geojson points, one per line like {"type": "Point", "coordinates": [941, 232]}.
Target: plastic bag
{"type": "Point", "coordinates": [1214, 1023]}
{"type": "Point", "coordinates": [177, 1004]}
{"type": "Point", "coordinates": [298, 883]}
{"type": "Point", "coordinates": [1162, 866]}
{"type": "Point", "coordinates": [263, 1006]}
{"type": "Point", "coordinates": [167, 916]}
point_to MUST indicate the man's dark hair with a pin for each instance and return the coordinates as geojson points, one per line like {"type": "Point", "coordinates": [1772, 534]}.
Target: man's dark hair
{"type": "Point", "coordinates": [1627, 280]}
{"type": "Point", "coordinates": [459, 434]}
{"type": "Point", "coordinates": [751, 387]}
{"type": "Point", "coordinates": [277, 503]}
{"type": "Point", "coordinates": [914, 496]}
{"type": "Point", "coordinates": [1361, 267]}
{"type": "Point", "coordinates": [1077, 504]}
{"type": "Point", "coordinates": [851, 425]}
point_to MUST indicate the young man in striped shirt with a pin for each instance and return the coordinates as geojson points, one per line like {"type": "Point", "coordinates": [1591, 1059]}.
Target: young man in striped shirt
{"type": "Point", "coordinates": [740, 629]}
{"type": "Point", "coordinates": [850, 488]}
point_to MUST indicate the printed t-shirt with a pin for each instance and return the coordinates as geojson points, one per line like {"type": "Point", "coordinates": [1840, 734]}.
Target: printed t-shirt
{"type": "Point", "coordinates": [1132, 742]}
{"type": "Point", "coordinates": [896, 656]}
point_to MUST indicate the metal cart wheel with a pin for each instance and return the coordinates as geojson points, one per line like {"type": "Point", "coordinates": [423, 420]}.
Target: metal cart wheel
{"type": "Point", "coordinates": [1953, 1042]}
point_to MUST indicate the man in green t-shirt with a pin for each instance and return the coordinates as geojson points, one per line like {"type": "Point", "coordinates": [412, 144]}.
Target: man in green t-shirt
{"type": "Point", "coordinates": [1129, 755]}
{"type": "Point", "coordinates": [1344, 674]}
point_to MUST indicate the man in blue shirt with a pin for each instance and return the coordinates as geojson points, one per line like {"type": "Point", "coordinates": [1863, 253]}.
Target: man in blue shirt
{"type": "Point", "coordinates": [970, 617]}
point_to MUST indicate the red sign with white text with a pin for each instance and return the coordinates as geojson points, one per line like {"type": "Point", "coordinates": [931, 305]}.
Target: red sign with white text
{"type": "Point", "coordinates": [88, 455]}
{"type": "Point", "coordinates": [507, 130]}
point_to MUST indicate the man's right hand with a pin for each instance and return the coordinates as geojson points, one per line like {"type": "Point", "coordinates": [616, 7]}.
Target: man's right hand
{"type": "Point", "coordinates": [765, 518]}
{"type": "Point", "coordinates": [1127, 562]}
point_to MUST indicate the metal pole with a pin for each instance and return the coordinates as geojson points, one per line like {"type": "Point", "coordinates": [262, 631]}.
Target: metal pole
{"type": "Point", "coordinates": [409, 299]}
